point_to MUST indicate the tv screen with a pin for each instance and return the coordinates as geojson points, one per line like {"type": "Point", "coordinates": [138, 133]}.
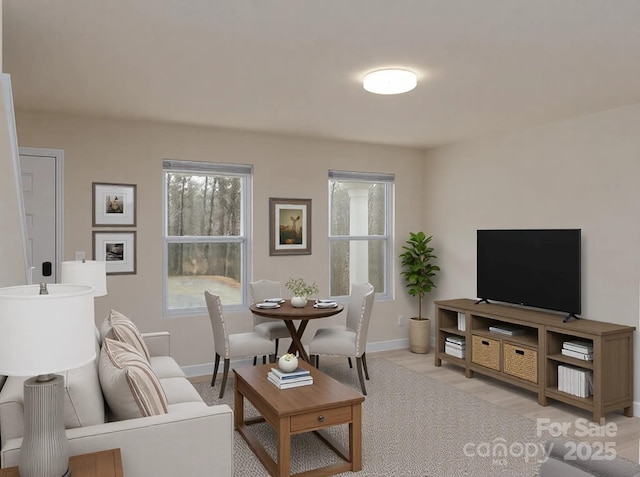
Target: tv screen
{"type": "Point", "coordinates": [537, 268]}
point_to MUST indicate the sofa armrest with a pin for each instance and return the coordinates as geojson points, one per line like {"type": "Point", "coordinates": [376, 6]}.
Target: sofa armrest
{"type": "Point", "coordinates": [158, 343]}
{"type": "Point", "coordinates": [562, 460]}
{"type": "Point", "coordinates": [190, 442]}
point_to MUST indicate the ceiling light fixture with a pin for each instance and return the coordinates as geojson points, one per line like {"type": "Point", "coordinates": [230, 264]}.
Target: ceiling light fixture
{"type": "Point", "coordinates": [390, 81]}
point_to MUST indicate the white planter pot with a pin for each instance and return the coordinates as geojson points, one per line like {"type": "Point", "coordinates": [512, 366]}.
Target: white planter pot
{"type": "Point", "coordinates": [419, 335]}
{"type": "Point", "coordinates": [298, 302]}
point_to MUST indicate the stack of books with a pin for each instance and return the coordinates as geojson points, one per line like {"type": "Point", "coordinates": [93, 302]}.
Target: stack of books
{"type": "Point", "coordinates": [575, 381]}
{"type": "Point", "coordinates": [578, 349]}
{"type": "Point", "coordinates": [505, 329]}
{"type": "Point", "coordinates": [282, 380]}
{"type": "Point", "coordinates": [455, 346]}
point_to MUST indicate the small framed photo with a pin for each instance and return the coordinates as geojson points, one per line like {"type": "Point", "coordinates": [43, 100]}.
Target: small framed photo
{"type": "Point", "coordinates": [289, 226]}
{"type": "Point", "coordinates": [117, 249]}
{"type": "Point", "coordinates": [114, 205]}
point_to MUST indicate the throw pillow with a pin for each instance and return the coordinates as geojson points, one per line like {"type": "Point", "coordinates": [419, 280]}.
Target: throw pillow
{"type": "Point", "coordinates": [130, 386]}
{"type": "Point", "coordinates": [118, 327]}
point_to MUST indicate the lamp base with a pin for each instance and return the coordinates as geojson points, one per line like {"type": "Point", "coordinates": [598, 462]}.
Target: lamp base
{"type": "Point", "coordinates": [45, 447]}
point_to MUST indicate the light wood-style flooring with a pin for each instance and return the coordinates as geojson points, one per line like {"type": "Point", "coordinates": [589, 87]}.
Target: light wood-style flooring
{"type": "Point", "coordinates": [525, 403]}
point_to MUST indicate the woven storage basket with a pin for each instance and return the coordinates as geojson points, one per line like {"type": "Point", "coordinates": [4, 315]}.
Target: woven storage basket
{"type": "Point", "coordinates": [485, 351]}
{"type": "Point", "coordinates": [521, 362]}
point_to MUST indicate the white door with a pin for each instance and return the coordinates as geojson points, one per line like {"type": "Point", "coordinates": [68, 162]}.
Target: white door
{"type": "Point", "coordinates": [39, 189]}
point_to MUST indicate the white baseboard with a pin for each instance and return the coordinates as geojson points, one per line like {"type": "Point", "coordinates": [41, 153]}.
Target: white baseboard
{"type": "Point", "coordinates": [387, 345]}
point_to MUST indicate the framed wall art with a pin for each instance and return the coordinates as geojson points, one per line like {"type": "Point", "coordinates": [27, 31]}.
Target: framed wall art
{"type": "Point", "coordinates": [289, 226]}
{"type": "Point", "coordinates": [114, 205]}
{"type": "Point", "coordinates": [117, 249]}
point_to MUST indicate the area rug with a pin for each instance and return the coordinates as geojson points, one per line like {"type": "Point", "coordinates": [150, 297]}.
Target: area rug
{"type": "Point", "coordinates": [413, 426]}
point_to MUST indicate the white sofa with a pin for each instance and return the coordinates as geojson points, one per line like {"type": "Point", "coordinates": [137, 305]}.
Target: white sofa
{"type": "Point", "coordinates": [190, 439]}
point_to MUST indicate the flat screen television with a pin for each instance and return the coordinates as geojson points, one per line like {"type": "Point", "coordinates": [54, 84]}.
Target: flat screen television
{"type": "Point", "coordinates": [538, 268]}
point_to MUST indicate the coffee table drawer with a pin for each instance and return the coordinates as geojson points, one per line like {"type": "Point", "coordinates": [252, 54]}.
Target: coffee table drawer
{"type": "Point", "coordinates": [320, 419]}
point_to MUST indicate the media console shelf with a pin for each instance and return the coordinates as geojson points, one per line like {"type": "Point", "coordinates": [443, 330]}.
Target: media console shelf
{"type": "Point", "coordinates": [530, 360]}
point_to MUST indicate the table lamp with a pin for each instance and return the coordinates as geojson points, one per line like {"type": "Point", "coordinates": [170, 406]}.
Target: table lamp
{"type": "Point", "coordinates": [41, 334]}
{"type": "Point", "coordinates": [86, 272]}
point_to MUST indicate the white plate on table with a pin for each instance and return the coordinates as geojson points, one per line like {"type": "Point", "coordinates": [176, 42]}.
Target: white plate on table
{"type": "Point", "coordinates": [331, 304]}
{"type": "Point", "coordinates": [274, 300]}
{"type": "Point", "coordinates": [268, 305]}
{"type": "Point", "coordinates": [325, 300]}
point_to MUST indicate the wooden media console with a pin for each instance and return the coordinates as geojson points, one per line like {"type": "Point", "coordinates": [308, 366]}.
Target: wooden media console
{"type": "Point", "coordinates": [531, 359]}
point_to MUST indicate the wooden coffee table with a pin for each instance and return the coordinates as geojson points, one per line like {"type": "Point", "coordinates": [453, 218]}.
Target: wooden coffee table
{"type": "Point", "coordinates": [311, 408]}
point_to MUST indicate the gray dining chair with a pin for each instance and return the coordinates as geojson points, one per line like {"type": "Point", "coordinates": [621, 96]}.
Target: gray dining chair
{"type": "Point", "coordinates": [231, 345]}
{"type": "Point", "coordinates": [350, 339]}
{"type": "Point", "coordinates": [269, 328]}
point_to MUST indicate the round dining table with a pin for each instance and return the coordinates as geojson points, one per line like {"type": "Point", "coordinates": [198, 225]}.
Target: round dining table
{"type": "Point", "coordinates": [289, 314]}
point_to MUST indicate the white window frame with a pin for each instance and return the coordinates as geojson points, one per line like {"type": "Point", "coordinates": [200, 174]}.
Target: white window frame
{"type": "Point", "coordinates": [245, 173]}
{"type": "Point", "coordinates": [388, 180]}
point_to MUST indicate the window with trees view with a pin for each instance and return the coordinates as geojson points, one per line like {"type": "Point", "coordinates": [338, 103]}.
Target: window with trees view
{"type": "Point", "coordinates": [360, 208]}
{"type": "Point", "coordinates": [205, 234]}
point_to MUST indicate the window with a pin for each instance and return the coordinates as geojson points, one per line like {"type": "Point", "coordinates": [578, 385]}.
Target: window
{"type": "Point", "coordinates": [206, 217]}
{"type": "Point", "coordinates": [360, 220]}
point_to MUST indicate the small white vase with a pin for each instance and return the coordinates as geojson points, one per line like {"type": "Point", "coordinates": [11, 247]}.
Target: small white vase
{"type": "Point", "coordinates": [298, 301]}
{"type": "Point", "coordinates": [288, 363]}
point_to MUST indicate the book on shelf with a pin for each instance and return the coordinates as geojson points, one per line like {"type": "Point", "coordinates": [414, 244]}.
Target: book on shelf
{"type": "Point", "coordinates": [303, 381]}
{"type": "Point", "coordinates": [455, 345]}
{"type": "Point", "coordinates": [506, 330]}
{"type": "Point", "coordinates": [452, 350]}
{"type": "Point", "coordinates": [462, 322]}
{"type": "Point", "coordinates": [579, 346]}
{"type": "Point", "coordinates": [577, 354]}
{"type": "Point", "coordinates": [290, 375]}
{"type": "Point", "coordinates": [456, 340]}
{"type": "Point", "coordinates": [575, 381]}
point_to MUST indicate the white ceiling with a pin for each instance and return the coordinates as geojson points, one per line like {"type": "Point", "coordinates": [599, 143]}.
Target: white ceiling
{"type": "Point", "coordinates": [294, 66]}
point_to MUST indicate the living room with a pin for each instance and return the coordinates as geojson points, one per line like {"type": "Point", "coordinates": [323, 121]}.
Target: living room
{"type": "Point", "coordinates": [577, 171]}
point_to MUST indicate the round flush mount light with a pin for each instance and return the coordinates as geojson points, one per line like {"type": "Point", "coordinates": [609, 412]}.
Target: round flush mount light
{"type": "Point", "coordinates": [390, 81]}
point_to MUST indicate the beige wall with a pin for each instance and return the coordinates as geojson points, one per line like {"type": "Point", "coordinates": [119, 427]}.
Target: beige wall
{"type": "Point", "coordinates": [132, 152]}
{"type": "Point", "coordinates": [580, 173]}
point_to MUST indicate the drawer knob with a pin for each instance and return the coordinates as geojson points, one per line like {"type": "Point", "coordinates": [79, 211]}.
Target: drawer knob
{"type": "Point", "coordinates": [321, 418]}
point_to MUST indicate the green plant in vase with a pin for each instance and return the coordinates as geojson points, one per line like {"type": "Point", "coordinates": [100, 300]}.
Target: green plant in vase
{"type": "Point", "coordinates": [301, 291]}
{"type": "Point", "coordinates": [418, 272]}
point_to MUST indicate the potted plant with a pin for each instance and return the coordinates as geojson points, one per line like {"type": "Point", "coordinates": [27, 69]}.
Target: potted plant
{"type": "Point", "coordinates": [301, 291]}
{"type": "Point", "coordinates": [418, 272]}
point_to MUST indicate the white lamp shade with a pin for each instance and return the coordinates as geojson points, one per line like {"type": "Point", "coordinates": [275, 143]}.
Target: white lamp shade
{"type": "Point", "coordinates": [88, 272]}
{"type": "Point", "coordinates": [43, 334]}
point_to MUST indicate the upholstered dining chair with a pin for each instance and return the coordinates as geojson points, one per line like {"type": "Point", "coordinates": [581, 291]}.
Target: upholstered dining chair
{"type": "Point", "coordinates": [351, 339]}
{"type": "Point", "coordinates": [272, 329]}
{"type": "Point", "coordinates": [231, 345]}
